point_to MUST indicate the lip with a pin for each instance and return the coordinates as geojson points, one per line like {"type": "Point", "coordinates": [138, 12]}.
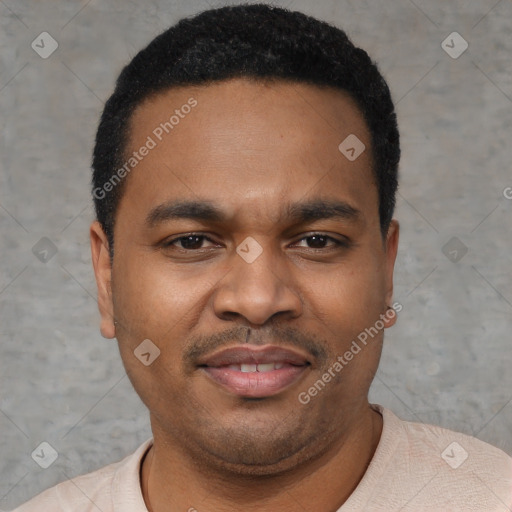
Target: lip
{"type": "Point", "coordinates": [221, 368]}
{"type": "Point", "coordinates": [251, 354]}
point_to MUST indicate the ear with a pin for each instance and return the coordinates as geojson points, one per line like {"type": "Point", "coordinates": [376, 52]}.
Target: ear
{"type": "Point", "coordinates": [103, 271]}
{"type": "Point", "coordinates": [390, 257]}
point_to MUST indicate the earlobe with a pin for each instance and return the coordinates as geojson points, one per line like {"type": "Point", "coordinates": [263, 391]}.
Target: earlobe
{"type": "Point", "coordinates": [389, 317]}
{"type": "Point", "coordinates": [103, 272]}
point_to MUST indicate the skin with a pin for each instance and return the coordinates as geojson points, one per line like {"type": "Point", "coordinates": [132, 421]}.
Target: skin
{"type": "Point", "coordinates": [250, 147]}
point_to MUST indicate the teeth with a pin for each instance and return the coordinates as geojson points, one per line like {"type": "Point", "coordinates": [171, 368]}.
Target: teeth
{"type": "Point", "coordinates": [251, 368]}
{"type": "Point", "coordinates": [266, 367]}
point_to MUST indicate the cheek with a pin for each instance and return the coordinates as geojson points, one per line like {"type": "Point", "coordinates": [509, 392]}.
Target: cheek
{"type": "Point", "coordinates": [153, 302]}
{"type": "Point", "coordinates": [347, 303]}
{"type": "Point", "coordinates": [351, 290]}
{"type": "Point", "coordinates": [152, 309]}
{"type": "Point", "coordinates": [154, 298]}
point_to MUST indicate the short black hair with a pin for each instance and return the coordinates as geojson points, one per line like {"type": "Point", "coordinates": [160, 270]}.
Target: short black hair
{"type": "Point", "coordinates": [257, 41]}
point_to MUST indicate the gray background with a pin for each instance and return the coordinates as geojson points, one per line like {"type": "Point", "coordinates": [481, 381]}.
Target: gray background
{"type": "Point", "coordinates": [448, 359]}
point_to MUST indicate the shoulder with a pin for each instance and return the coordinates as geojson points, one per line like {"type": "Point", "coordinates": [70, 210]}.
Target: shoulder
{"type": "Point", "coordinates": [443, 468]}
{"type": "Point", "coordinates": [456, 450]}
{"type": "Point", "coordinates": [94, 491]}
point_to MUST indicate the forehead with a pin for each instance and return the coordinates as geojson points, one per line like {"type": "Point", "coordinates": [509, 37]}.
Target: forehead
{"type": "Point", "coordinates": [249, 143]}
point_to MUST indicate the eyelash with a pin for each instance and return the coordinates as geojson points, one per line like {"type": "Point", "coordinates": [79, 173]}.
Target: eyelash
{"type": "Point", "coordinates": [337, 243]}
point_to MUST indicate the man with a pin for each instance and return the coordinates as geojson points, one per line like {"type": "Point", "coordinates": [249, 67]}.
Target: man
{"type": "Point", "coordinates": [245, 172]}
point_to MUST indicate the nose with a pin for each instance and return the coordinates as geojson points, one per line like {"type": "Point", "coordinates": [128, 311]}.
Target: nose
{"type": "Point", "coordinates": [257, 289]}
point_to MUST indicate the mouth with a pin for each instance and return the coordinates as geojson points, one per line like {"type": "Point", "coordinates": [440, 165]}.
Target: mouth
{"type": "Point", "coordinates": [255, 372]}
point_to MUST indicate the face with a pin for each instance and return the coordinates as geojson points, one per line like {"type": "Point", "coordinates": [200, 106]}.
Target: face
{"type": "Point", "coordinates": [248, 251]}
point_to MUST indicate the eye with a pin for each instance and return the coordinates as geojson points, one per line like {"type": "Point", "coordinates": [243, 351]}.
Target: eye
{"type": "Point", "coordinates": [190, 242]}
{"type": "Point", "coordinates": [314, 241]}
{"type": "Point", "coordinates": [319, 241]}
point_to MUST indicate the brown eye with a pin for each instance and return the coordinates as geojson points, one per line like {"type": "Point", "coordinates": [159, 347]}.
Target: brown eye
{"type": "Point", "coordinates": [189, 242]}
{"type": "Point", "coordinates": [321, 241]}
{"type": "Point", "coordinates": [317, 241]}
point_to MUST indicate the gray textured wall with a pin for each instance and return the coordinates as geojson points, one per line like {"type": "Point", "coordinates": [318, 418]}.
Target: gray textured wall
{"type": "Point", "coordinates": [448, 359]}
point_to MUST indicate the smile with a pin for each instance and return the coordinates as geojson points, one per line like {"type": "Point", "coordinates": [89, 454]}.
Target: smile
{"type": "Point", "coordinates": [255, 372]}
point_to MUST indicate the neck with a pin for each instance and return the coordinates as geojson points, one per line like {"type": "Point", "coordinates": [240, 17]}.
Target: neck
{"type": "Point", "coordinates": [172, 482]}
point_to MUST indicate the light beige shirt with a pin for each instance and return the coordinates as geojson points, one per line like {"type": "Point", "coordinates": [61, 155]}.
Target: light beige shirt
{"type": "Point", "coordinates": [416, 467]}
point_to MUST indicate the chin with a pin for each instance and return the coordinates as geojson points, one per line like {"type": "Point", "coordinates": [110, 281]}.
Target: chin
{"type": "Point", "coordinates": [256, 452]}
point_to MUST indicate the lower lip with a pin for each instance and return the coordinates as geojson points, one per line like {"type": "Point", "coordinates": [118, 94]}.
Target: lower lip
{"type": "Point", "coordinates": [255, 384]}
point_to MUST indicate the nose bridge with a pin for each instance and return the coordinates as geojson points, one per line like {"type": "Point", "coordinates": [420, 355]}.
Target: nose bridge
{"type": "Point", "coordinates": [256, 261]}
{"type": "Point", "coordinates": [256, 267]}
{"type": "Point", "coordinates": [258, 284]}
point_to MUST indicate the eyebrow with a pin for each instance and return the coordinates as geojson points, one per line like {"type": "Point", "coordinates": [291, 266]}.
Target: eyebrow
{"type": "Point", "coordinates": [299, 212]}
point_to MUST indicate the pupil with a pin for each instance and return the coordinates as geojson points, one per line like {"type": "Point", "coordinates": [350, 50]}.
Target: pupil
{"type": "Point", "coordinates": [188, 243]}
{"type": "Point", "coordinates": [317, 238]}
